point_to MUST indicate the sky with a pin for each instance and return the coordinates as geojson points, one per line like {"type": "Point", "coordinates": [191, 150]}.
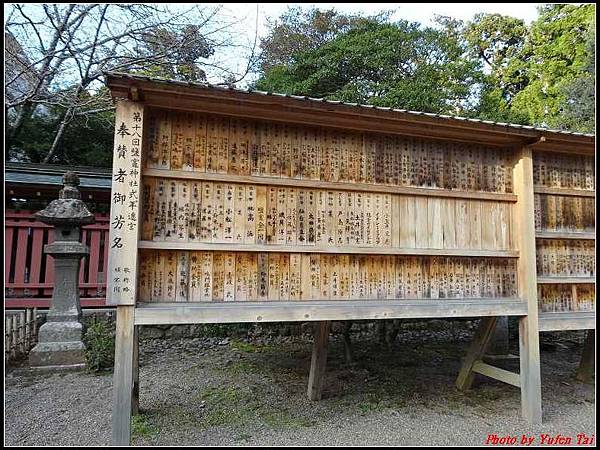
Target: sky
{"type": "Point", "coordinates": [417, 12]}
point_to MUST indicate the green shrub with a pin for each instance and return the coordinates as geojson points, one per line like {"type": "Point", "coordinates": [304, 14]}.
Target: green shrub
{"type": "Point", "coordinates": [99, 341]}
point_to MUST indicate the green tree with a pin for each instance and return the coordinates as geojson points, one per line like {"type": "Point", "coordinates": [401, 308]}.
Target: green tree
{"type": "Point", "coordinates": [298, 30]}
{"type": "Point", "coordinates": [387, 64]}
{"type": "Point", "coordinates": [557, 55]}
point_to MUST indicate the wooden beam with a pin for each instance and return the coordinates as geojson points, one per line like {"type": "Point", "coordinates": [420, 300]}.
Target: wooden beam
{"type": "Point", "coordinates": [319, 310]}
{"type": "Point", "coordinates": [234, 247]}
{"type": "Point", "coordinates": [565, 235]}
{"type": "Point", "coordinates": [497, 373]}
{"type": "Point", "coordinates": [475, 352]}
{"type": "Point", "coordinates": [318, 361]}
{"type": "Point", "coordinates": [562, 321]}
{"type": "Point", "coordinates": [123, 376]}
{"type": "Point", "coordinates": [563, 191]}
{"type": "Point", "coordinates": [524, 226]}
{"type": "Point", "coordinates": [566, 280]}
{"type": "Point", "coordinates": [317, 184]}
{"type": "Point", "coordinates": [586, 369]}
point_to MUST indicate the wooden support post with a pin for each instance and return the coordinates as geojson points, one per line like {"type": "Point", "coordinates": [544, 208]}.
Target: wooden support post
{"type": "Point", "coordinates": [476, 350]}
{"type": "Point", "coordinates": [524, 226]}
{"type": "Point", "coordinates": [319, 360]}
{"type": "Point", "coordinates": [135, 403]}
{"type": "Point", "coordinates": [586, 369]}
{"type": "Point", "coordinates": [123, 376]}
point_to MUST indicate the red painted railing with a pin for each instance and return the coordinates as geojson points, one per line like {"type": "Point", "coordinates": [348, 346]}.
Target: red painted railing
{"type": "Point", "coordinates": [29, 273]}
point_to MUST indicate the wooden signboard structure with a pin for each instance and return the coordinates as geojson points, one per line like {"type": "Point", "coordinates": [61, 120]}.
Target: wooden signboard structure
{"type": "Point", "coordinates": [235, 206]}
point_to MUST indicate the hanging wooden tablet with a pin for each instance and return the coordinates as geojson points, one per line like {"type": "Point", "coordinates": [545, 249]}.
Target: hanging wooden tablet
{"type": "Point", "coordinates": [234, 147]}
{"type": "Point", "coordinates": [379, 163]}
{"type": "Point", "coordinates": [188, 135]}
{"type": "Point", "coordinates": [281, 221]}
{"type": "Point", "coordinates": [223, 144]}
{"type": "Point", "coordinates": [369, 220]}
{"type": "Point", "coordinates": [145, 275]}
{"type": "Point", "coordinates": [284, 277]}
{"type": "Point", "coordinates": [343, 156]}
{"type": "Point", "coordinates": [286, 151]}
{"type": "Point", "coordinates": [340, 218]}
{"type": "Point", "coordinates": [254, 147]}
{"type": "Point", "coordinates": [177, 140]}
{"type": "Point", "coordinates": [171, 222]}
{"type": "Point", "coordinates": [148, 208]}
{"type": "Point", "coordinates": [295, 276]}
{"type": "Point", "coordinates": [315, 276]}
{"type": "Point", "coordinates": [212, 144]}
{"type": "Point", "coordinates": [241, 277]}
{"type": "Point", "coordinates": [252, 276]}
{"type": "Point", "coordinates": [276, 151]}
{"type": "Point", "coordinates": [405, 161]}
{"type": "Point", "coordinates": [353, 156]}
{"type": "Point", "coordinates": [229, 213]}
{"type": "Point", "coordinates": [448, 219]}
{"type": "Point", "coordinates": [321, 215]}
{"type": "Point", "coordinates": [266, 148]}
{"type": "Point", "coordinates": [260, 196]}
{"type": "Point", "coordinates": [325, 277]}
{"type": "Point", "coordinates": [170, 276]}
{"type": "Point", "coordinates": [164, 132]}
{"type": "Point", "coordinates": [195, 277]}
{"type": "Point", "coordinates": [218, 212]}
{"type": "Point", "coordinates": [182, 276]}
{"type": "Point", "coordinates": [218, 278]}
{"type": "Point", "coordinates": [291, 219]}
{"type": "Point", "coordinates": [377, 220]}
{"type": "Point", "coordinates": [244, 130]}
{"type": "Point", "coordinates": [206, 218]}
{"type": "Point", "coordinates": [251, 227]}
{"type": "Point", "coordinates": [362, 163]}
{"type": "Point", "coordinates": [350, 227]}
{"type": "Point", "coordinates": [239, 217]}
{"type": "Point", "coordinates": [359, 218]}
{"type": "Point", "coordinates": [229, 276]}
{"type": "Point", "coordinates": [199, 142]}
{"type": "Point", "coordinates": [370, 158]}
{"type": "Point", "coordinates": [296, 149]}
{"type": "Point", "coordinates": [311, 216]}
{"type": "Point", "coordinates": [195, 211]}
{"type": "Point", "coordinates": [271, 214]}
{"type": "Point", "coordinates": [274, 276]}
{"type": "Point", "coordinates": [159, 277]}
{"type": "Point", "coordinates": [301, 232]}
{"type": "Point", "coordinates": [152, 138]}
{"type": "Point", "coordinates": [307, 148]}
{"type": "Point", "coordinates": [306, 280]}
{"type": "Point", "coordinates": [263, 276]}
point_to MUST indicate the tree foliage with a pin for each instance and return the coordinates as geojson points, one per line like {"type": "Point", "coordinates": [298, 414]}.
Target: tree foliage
{"type": "Point", "coordinates": [493, 67]}
{"type": "Point", "coordinates": [386, 64]}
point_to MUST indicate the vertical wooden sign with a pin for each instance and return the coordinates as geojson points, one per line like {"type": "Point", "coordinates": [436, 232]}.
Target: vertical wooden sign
{"type": "Point", "coordinates": [125, 204]}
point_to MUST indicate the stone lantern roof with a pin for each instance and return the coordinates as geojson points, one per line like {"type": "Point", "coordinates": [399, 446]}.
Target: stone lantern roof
{"type": "Point", "coordinates": [68, 209]}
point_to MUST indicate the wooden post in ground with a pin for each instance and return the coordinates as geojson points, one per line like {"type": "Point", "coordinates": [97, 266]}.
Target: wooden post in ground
{"type": "Point", "coordinates": [319, 360]}
{"type": "Point", "coordinates": [586, 369]}
{"type": "Point", "coordinates": [524, 226]}
{"type": "Point", "coordinates": [123, 377]}
{"type": "Point", "coordinates": [476, 351]}
{"type": "Point", "coordinates": [135, 403]}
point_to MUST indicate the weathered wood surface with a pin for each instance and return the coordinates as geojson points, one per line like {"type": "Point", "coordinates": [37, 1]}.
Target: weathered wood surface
{"type": "Point", "coordinates": [123, 376]}
{"type": "Point", "coordinates": [126, 199]}
{"type": "Point", "coordinates": [529, 351]}
{"type": "Point", "coordinates": [563, 321]}
{"type": "Point", "coordinates": [475, 352]}
{"type": "Point", "coordinates": [318, 310]}
{"type": "Point", "coordinates": [318, 363]}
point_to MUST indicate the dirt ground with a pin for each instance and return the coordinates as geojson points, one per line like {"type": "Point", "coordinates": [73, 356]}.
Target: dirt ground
{"type": "Point", "coordinates": [226, 391]}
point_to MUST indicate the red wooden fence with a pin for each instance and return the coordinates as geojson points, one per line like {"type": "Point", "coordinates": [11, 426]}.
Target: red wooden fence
{"type": "Point", "coordinates": [29, 273]}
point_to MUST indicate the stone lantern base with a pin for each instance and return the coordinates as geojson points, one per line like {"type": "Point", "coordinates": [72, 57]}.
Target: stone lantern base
{"type": "Point", "coordinates": [59, 345]}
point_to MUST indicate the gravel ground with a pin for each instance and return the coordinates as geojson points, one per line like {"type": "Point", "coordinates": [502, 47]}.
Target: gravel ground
{"type": "Point", "coordinates": [222, 391]}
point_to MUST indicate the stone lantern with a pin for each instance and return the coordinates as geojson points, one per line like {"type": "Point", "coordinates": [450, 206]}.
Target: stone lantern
{"type": "Point", "coordinates": [60, 338]}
